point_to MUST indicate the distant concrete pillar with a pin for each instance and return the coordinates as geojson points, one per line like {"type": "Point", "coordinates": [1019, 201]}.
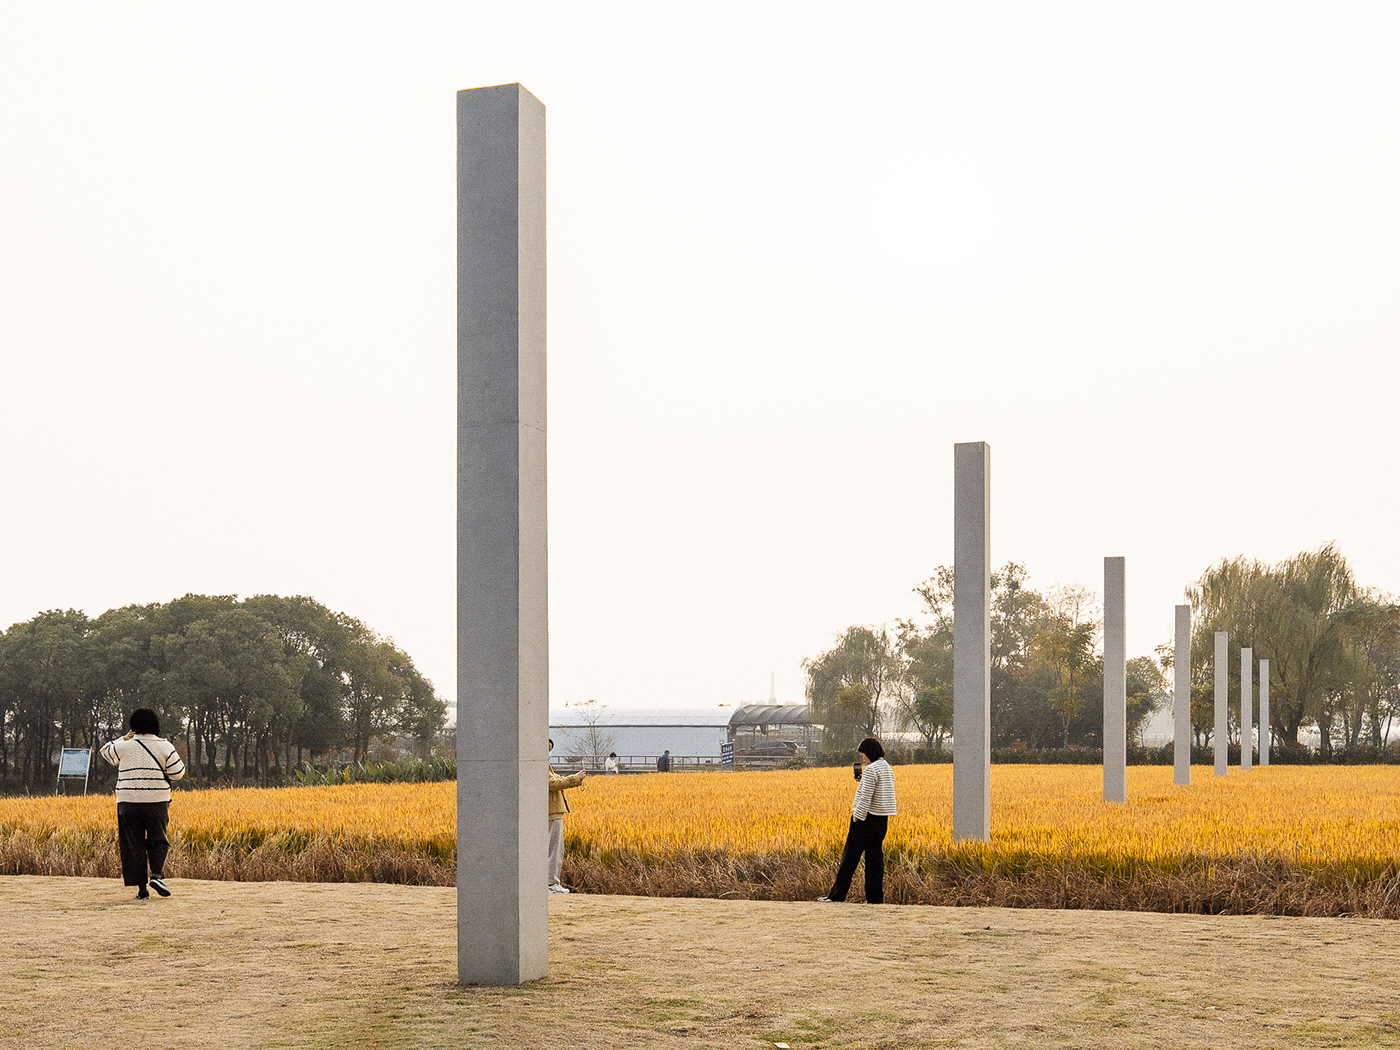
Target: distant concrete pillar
{"type": "Point", "coordinates": [1115, 681]}
{"type": "Point", "coordinates": [1181, 698]}
{"type": "Point", "coordinates": [502, 571]}
{"type": "Point", "coordinates": [1246, 709]}
{"type": "Point", "coordinates": [972, 641]}
{"type": "Point", "coordinates": [1222, 710]}
{"type": "Point", "coordinates": [1265, 726]}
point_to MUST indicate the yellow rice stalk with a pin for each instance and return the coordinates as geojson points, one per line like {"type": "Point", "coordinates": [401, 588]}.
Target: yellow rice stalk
{"type": "Point", "coordinates": [1339, 823]}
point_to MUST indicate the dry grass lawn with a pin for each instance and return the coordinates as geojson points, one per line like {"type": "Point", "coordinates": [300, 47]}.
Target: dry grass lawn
{"type": "Point", "coordinates": [308, 965]}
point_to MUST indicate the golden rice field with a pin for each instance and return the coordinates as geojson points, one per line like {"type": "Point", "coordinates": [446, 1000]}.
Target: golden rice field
{"type": "Point", "coordinates": [1277, 840]}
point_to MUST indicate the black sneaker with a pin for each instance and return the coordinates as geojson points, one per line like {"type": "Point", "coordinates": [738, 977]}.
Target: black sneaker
{"type": "Point", "coordinates": [158, 884]}
{"type": "Point", "coordinates": [142, 895]}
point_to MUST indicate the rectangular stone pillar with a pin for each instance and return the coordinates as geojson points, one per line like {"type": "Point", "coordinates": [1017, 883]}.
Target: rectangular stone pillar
{"type": "Point", "coordinates": [1246, 709]}
{"type": "Point", "coordinates": [1115, 681]}
{"type": "Point", "coordinates": [502, 570]}
{"type": "Point", "coordinates": [1265, 726]}
{"type": "Point", "coordinates": [1222, 710]}
{"type": "Point", "coordinates": [972, 641]}
{"type": "Point", "coordinates": [1181, 698]}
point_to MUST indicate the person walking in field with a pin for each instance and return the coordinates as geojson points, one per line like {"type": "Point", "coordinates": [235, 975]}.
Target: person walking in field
{"type": "Point", "coordinates": [146, 764]}
{"type": "Point", "coordinates": [870, 820]}
{"type": "Point", "coordinates": [663, 764]}
{"type": "Point", "coordinates": [558, 806]}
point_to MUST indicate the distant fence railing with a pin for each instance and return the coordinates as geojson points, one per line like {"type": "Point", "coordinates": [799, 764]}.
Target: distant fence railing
{"type": "Point", "coordinates": [632, 764]}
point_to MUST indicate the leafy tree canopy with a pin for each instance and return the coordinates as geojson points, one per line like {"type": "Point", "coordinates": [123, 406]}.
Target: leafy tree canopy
{"type": "Point", "coordinates": [245, 685]}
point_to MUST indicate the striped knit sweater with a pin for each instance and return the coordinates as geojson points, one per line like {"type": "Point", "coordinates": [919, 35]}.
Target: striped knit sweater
{"type": "Point", "coordinates": [876, 791]}
{"type": "Point", "coordinates": [139, 776]}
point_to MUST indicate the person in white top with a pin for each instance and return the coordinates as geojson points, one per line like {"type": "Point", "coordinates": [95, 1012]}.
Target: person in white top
{"type": "Point", "coordinates": [870, 820]}
{"type": "Point", "coordinates": [146, 765]}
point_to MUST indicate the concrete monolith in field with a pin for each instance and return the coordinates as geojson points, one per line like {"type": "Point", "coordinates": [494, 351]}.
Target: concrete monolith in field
{"type": "Point", "coordinates": [1181, 698]}
{"type": "Point", "coordinates": [1265, 726]}
{"type": "Point", "coordinates": [1246, 709]}
{"type": "Point", "coordinates": [502, 569]}
{"type": "Point", "coordinates": [972, 641]}
{"type": "Point", "coordinates": [1222, 711]}
{"type": "Point", "coordinates": [1115, 681]}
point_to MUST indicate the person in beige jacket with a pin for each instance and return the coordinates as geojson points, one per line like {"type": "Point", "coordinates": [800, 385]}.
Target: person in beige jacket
{"type": "Point", "coordinates": [558, 806]}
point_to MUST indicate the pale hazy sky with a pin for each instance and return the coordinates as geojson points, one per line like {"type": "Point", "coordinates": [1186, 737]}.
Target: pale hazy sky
{"type": "Point", "coordinates": [1148, 251]}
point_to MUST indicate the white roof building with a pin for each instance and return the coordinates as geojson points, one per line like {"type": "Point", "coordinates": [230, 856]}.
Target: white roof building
{"type": "Point", "coordinates": [639, 733]}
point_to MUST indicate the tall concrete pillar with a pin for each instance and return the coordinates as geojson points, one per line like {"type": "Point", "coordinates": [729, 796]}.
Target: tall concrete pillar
{"type": "Point", "coordinates": [1181, 698]}
{"type": "Point", "coordinates": [502, 571]}
{"type": "Point", "coordinates": [1115, 681]}
{"type": "Point", "coordinates": [1246, 709]}
{"type": "Point", "coordinates": [1265, 726]}
{"type": "Point", "coordinates": [972, 641]}
{"type": "Point", "coordinates": [1222, 710]}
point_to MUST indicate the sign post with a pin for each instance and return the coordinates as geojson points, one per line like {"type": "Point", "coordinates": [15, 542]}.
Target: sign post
{"type": "Point", "coordinates": [75, 762]}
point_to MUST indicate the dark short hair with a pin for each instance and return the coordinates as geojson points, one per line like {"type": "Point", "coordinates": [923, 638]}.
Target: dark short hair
{"type": "Point", "coordinates": [144, 720]}
{"type": "Point", "coordinates": [870, 746]}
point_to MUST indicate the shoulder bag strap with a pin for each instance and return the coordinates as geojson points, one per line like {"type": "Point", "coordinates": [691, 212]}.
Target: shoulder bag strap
{"type": "Point", "coordinates": [159, 764]}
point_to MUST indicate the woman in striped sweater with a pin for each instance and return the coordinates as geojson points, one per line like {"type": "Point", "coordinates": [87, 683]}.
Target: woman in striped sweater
{"type": "Point", "coordinates": [870, 819]}
{"type": "Point", "coordinates": [146, 765]}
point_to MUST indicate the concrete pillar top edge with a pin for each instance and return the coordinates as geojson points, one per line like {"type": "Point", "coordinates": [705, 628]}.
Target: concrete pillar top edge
{"type": "Point", "coordinates": [500, 87]}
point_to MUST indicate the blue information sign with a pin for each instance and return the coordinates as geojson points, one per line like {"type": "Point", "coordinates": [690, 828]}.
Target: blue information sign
{"type": "Point", "coordinates": [74, 762]}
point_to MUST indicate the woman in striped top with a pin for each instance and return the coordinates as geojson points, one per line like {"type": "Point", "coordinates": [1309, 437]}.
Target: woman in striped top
{"type": "Point", "coordinates": [146, 765]}
{"type": "Point", "coordinates": [870, 819]}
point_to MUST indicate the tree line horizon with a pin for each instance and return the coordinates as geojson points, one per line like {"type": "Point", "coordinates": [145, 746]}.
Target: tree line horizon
{"type": "Point", "coordinates": [1333, 648]}
{"type": "Point", "coordinates": [243, 684]}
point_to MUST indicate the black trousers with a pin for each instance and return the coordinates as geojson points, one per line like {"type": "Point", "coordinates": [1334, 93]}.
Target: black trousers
{"type": "Point", "coordinates": [141, 837]}
{"type": "Point", "coordinates": [866, 837]}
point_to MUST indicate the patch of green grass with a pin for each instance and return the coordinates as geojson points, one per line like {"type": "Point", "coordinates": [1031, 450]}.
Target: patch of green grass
{"type": "Point", "coordinates": [1378, 1032]}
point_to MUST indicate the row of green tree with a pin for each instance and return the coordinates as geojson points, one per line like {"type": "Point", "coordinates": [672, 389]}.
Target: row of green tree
{"type": "Point", "coordinates": [251, 688]}
{"type": "Point", "coordinates": [1333, 650]}
{"type": "Point", "coordinates": [1046, 671]}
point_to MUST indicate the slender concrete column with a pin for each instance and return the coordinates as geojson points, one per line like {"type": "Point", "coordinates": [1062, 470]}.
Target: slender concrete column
{"type": "Point", "coordinates": [972, 641]}
{"type": "Point", "coordinates": [1265, 726]}
{"type": "Point", "coordinates": [1222, 710]}
{"type": "Point", "coordinates": [1246, 709]}
{"type": "Point", "coordinates": [1115, 681]}
{"type": "Point", "coordinates": [502, 570]}
{"type": "Point", "coordinates": [1181, 698]}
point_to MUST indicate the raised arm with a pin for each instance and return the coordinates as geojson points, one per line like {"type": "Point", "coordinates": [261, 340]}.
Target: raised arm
{"type": "Point", "coordinates": [865, 794]}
